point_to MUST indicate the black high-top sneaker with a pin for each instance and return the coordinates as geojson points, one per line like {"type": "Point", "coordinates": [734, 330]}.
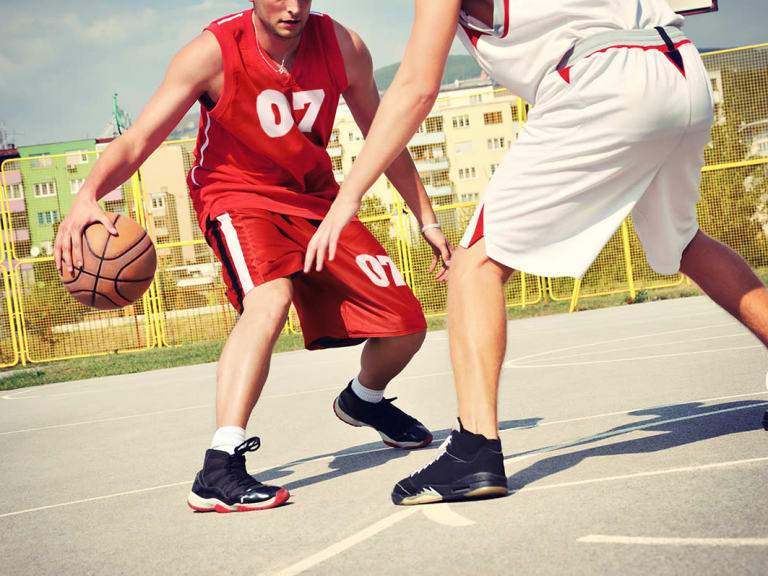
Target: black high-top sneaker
{"type": "Point", "coordinates": [224, 485]}
{"type": "Point", "coordinates": [397, 429]}
{"type": "Point", "coordinates": [468, 466]}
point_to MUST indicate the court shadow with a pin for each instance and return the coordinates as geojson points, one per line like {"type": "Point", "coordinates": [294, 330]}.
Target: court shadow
{"type": "Point", "coordinates": [675, 426]}
{"type": "Point", "coordinates": [363, 457]}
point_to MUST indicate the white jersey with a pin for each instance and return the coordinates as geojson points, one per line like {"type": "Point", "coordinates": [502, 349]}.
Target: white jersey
{"type": "Point", "coordinates": [529, 38]}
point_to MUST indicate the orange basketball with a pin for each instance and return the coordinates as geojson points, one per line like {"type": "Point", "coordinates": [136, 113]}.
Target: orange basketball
{"type": "Point", "coordinates": [116, 270]}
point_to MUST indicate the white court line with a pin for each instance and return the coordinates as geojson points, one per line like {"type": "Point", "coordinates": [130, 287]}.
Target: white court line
{"type": "Point", "coordinates": [622, 431]}
{"type": "Point", "coordinates": [374, 529]}
{"type": "Point", "coordinates": [94, 499]}
{"type": "Point", "coordinates": [102, 420]}
{"type": "Point", "coordinates": [170, 410]}
{"type": "Point", "coordinates": [267, 397]}
{"type": "Point", "coordinates": [650, 541]}
{"type": "Point", "coordinates": [655, 345]}
{"type": "Point", "coordinates": [651, 473]}
{"type": "Point", "coordinates": [443, 514]}
{"type": "Point", "coordinates": [614, 340]}
{"type": "Point", "coordinates": [629, 412]}
{"type": "Point", "coordinates": [632, 359]}
{"type": "Point", "coordinates": [371, 451]}
{"type": "Point", "coordinates": [345, 544]}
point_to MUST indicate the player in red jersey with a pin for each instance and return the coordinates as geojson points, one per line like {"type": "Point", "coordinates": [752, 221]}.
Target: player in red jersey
{"type": "Point", "coordinates": [269, 81]}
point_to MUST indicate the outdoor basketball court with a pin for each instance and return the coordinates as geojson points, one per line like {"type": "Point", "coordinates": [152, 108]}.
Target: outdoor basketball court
{"type": "Point", "coordinates": [632, 436]}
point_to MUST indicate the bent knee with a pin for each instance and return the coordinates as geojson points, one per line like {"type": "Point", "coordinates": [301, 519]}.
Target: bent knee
{"type": "Point", "coordinates": [269, 302]}
{"type": "Point", "coordinates": [474, 261]}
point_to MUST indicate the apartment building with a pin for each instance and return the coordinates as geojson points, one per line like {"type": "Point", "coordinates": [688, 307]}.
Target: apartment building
{"type": "Point", "coordinates": [456, 149]}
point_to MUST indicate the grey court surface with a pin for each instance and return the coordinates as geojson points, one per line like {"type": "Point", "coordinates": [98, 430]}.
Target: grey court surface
{"type": "Point", "coordinates": [632, 436]}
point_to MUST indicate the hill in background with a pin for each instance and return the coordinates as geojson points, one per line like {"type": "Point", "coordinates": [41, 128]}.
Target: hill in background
{"type": "Point", "coordinates": [458, 67]}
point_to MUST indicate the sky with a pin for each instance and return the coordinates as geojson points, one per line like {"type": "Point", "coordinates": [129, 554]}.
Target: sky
{"type": "Point", "coordinates": [60, 62]}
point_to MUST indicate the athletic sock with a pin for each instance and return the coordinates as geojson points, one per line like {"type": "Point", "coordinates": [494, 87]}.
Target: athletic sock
{"type": "Point", "coordinates": [227, 438]}
{"type": "Point", "coordinates": [366, 394]}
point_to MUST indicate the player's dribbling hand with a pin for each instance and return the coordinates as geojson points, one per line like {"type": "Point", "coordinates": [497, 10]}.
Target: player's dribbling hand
{"type": "Point", "coordinates": [68, 249]}
{"type": "Point", "coordinates": [442, 249]}
{"type": "Point", "coordinates": [326, 238]}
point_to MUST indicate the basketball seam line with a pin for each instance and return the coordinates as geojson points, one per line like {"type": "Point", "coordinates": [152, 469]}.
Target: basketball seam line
{"type": "Point", "coordinates": [131, 247]}
{"type": "Point", "coordinates": [101, 263]}
{"type": "Point", "coordinates": [117, 276]}
{"type": "Point", "coordinates": [110, 278]}
{"type": "Point", "coordinates": [100, 294]}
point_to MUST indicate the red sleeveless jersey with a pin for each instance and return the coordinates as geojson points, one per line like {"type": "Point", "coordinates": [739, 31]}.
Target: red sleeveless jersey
{"type": "Point", "coordinates": [263, 144]}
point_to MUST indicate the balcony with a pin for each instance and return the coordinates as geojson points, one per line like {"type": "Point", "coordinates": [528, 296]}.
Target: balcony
{"type": "Point", "coordinates": [431, 164]}
{"type": "Point", "coordinates": [335, 151]}
{"type": "Point", "coordinates": [427, 138]}
{"type": "Point", "coordinates": [339, 175]}
{"type": "Point", "coordinates": [21, 235]}
{"type": "Point", "coordinates": [17, 205]}
{"type": "Point", "coordinates": [433, 191]}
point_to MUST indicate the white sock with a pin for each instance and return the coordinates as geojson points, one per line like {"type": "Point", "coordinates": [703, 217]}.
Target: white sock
{"type": "Point", "coordinates": [227, 438]}
{"type": "Point", "coordinates": [366, 394]}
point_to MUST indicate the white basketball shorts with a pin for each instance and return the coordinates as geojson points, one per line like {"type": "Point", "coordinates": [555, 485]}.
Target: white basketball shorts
{"type": "Point", "coordinates": [625, 133]}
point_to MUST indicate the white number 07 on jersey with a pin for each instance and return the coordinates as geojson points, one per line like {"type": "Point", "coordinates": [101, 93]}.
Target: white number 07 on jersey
{"type": "Point", "coordinates": [277, 125]}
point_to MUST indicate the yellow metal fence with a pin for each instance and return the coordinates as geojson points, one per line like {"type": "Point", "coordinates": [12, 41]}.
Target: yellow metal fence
{"type": "Point", "coordinates": [39, 322]}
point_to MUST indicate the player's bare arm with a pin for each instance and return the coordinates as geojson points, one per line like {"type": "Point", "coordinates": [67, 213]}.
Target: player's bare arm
{"type": "Point", "coordinates": [362, 97]}
{"type": "Point", "coordinates": [196, 70]}
{"type": "Point", "coordinates": [404, 107]}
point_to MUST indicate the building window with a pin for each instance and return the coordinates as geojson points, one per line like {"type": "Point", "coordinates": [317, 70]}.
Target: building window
{"type": "Point", "coordinates": [470, 197]}
{"type": "Point", "coordinates": [492, 118]}
{"type": "Point", "coordinates": [463, 148]}
{"type": "Point", "coordinates": [41, 162]}
{"type": "Point", "coordinates": [467, 173]}
{"type": "Point", "coordinates": [159, 221]}
{"type": "Point", "coordinates": [45, 189]}
{"type": "Point", "coordinates": [76, 184]}
{"type": "Point", "coordinates": [77, 157]}
{"type": "Point", "coordinates": [15, 191]}
{"type": "Point", "coordinates": [336, 164]}
{"type": "Point", "coordinates": [496, 143]}
{"type": "Point", "coordinates": [353, 159]}
{"type": "Point", "coordinates": [158, 201]}
{"type": "Point", "coordinates": [493, 168]}
{"type": "Point", "coordinates": [355, 136]}
{"type": "Point", "coordinates": [461, 121]}
{"type": "Point", "coordinates": [475, 98]}
{"type": "Point", "coordinates": [47, 218]}
{"type": "Point", "coordinates": [334, 141]}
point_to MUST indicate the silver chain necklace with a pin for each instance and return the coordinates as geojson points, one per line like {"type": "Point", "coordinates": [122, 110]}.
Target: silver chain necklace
{"type": "Point", "coordinates": [268, 61]}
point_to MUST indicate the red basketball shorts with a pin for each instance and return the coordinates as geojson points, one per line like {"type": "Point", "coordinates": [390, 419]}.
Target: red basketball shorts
{"type": "Point", "coordinates": [360, 295]}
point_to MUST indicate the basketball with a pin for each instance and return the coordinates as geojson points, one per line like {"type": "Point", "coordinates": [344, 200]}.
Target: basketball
{"type": "Point", "coordinates": [116, 270]}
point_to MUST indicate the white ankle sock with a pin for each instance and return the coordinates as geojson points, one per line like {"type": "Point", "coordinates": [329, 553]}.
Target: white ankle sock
{"type": "Point", "coordinates": [366, 394]}
{"type": "Point", "coordinates": [227, 438]}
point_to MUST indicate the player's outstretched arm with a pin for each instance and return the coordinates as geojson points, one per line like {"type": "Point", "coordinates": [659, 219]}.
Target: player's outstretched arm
{"type": "Point", "coordinates": [191, 73]}
{"type": "Point", "coordinates": [362, 97]}
{"type": "Point", "coordinates": [404, 107]}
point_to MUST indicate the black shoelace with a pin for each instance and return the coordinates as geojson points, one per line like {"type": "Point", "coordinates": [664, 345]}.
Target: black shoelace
{"type": "Point", "coordinates": [236, 466]}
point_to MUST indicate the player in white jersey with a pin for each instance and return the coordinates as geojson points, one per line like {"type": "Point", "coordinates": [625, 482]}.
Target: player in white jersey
{"type": "Point", "coordinates": [622, 112]}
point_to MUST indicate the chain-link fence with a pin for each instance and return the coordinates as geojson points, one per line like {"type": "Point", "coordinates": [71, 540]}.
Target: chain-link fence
{"type": "Point", "coordinates": [456, 151]}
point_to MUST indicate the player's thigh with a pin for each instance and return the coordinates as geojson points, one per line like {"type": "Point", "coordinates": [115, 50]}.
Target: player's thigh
{"type": "Point", "coordinates": [253, 249]}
